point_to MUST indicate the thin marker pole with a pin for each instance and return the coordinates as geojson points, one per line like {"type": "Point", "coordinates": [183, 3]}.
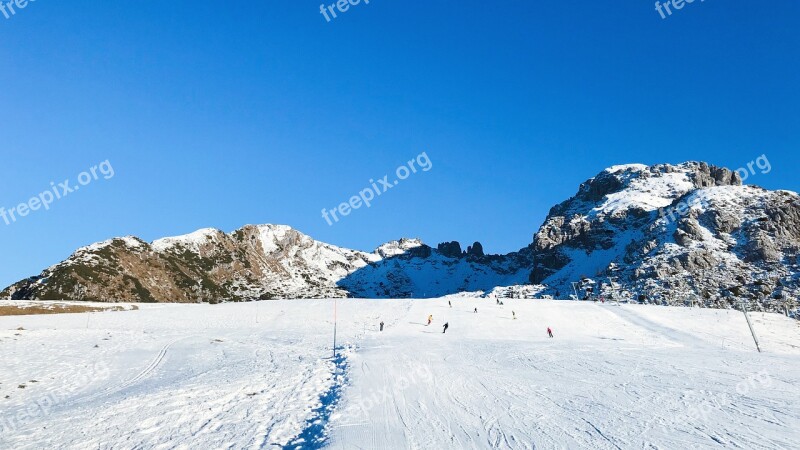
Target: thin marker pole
{"type": "Point", "coordinates": [746, 316]}
{"type": "Point", "coordinates": [335, 305]}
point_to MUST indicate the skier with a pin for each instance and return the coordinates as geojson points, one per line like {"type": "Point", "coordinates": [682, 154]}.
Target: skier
{"type": "Point", "coordinates": [497, 300]}
{"type": "Point", "coordinates": [430, 319]}
{"type": "Point", "coordinates": [450, 304]}
{"type": "Point", "coordinates": [446, 326]}
{"type": "Point", "coordinates": [381, 325]}
{"type": "Point", "coordinates": [549, 332]}
{"type": "Point", "coordinates": [476, 310]}
{"type": "Point", "coordinates": [514, 314]}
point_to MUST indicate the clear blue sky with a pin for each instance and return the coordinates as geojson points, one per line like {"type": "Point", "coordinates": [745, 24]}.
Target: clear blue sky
{"type": "Point", "coordinates": [220, 114]}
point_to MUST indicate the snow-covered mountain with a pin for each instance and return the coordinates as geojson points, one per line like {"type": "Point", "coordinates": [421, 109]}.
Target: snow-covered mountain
{"type": "Point", "coordinates": [261, 262]}
{"type": "Point", "coordinates": [666, 233]}
{"type": "Point", "coordinates": [422, 272]}
{"type": "Point", "coordinates": [673, 234]}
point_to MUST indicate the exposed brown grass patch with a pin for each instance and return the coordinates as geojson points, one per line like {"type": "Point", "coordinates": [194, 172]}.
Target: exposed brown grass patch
{"type": "Point", "coordinates": [29, 310]}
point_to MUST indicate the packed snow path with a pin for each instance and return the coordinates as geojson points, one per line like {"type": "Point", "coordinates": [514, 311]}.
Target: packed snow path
{"type": "Point", "coordinates": [261, 375]}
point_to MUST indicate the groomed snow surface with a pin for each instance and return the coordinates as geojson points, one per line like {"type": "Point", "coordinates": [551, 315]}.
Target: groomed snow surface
{"type": "Point", "coordinates": [261, 376]}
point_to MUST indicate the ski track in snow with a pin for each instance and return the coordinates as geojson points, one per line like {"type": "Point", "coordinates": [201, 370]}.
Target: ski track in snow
{"type": "Point", "coordinates": [261, 376]}
{"type": "Point", "coordinates": [143, 374]}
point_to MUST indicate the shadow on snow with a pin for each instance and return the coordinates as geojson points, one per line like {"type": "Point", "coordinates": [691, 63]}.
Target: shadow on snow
{"type": "Point", "coordinates": [313, 435]}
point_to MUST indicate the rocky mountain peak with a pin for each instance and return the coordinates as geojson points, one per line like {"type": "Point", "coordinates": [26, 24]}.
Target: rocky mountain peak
{"type": "Point", "coordinates": [660, 233]}
{"type": "Point", "coordinates": [395, 248]}
{"type": "Point", "coordinates": [657, 227]}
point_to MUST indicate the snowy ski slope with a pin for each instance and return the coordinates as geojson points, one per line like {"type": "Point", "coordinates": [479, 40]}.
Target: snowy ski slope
{"type": "Point", "coordinates": [261, 375]}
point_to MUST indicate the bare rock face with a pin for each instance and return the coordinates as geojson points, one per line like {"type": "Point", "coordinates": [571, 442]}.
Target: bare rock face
{"type": "Point", "coordinates": [760, 247]}
{"type": "Point", "coordinates": [722, 220]}
{"type": "Point", "coordinates": [664, 233]}
{"type": "Point", "coordinates": [704, 175]}
{"type": "Point", "coordinates": [450, 249]}
{"type": "Point", "coordinates": [267, 261]}
{"type": "Point", "coordinates": [475, 250]}
{"type": "Point", "coordinates": [264, 262]}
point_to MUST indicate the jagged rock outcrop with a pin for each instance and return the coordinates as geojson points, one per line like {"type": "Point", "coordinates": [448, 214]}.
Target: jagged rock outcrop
{"type": "Point", "coordinates": [257, 262]}
{"type": "Point", "coordinates": [450, 249]}
{"type": "Point", "coordinates": [668, 234]}
{"type": "Point", "coordinates": [671, 234]}
{"type": "Point", "coordinates": [475, 250]}
{"type": "Point", "coordinates": [437, 273]}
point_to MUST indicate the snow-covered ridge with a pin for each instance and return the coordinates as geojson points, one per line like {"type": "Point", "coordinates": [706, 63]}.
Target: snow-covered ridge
{"type": "Point", "coordinates": [656, 230]}
{"type": "Point", "coordinates": [192, 240]}
{"type": "Point", "coordinates": [673, 234]}
{"type": "Point", "coordinates": [272, 236]}
{"type": "Point", "coordinates": [261, 262]}
{"type": "Point", "coordinates": [625, 187]}
{"type": "Point", "coordinates": [626, 167]}
{"type": "Point", "coordinates": [394, 248]}
{"type": "Point", "coordinates": [646, 193]}
{"type": "Point", "coordinates": [129, 241]}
